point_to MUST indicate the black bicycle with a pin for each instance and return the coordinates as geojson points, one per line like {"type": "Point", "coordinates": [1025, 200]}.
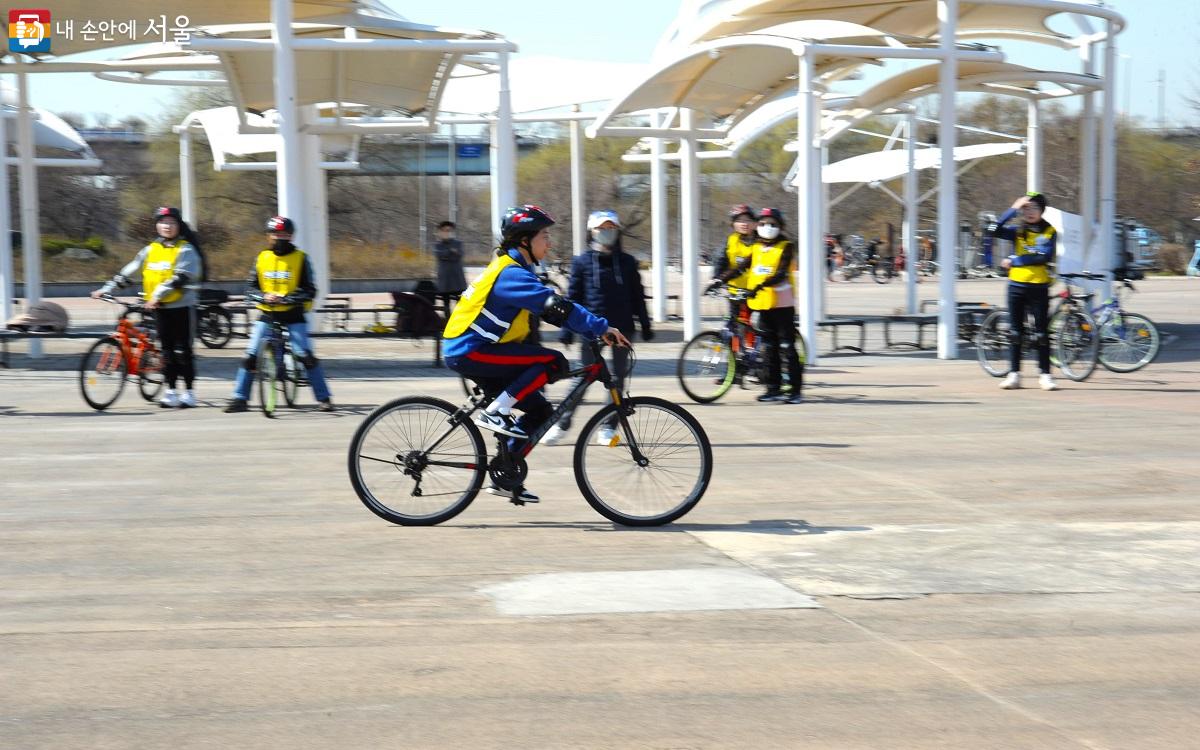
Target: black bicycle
{"type": "Point", "coordinates": [214, 324]}
{"type": "Point", "coordinates": [419, 461]}
{"type": "Point", "coordinates": [280, 372]}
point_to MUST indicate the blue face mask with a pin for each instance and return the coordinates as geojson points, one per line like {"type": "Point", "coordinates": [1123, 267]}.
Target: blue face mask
{"type": "Point", "coordinates": [606, 237]}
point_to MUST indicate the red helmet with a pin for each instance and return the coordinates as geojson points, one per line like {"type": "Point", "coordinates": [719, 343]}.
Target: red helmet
{"type": "Point", "coordinates": [168, 211]}
{"type": "Point", "coordinates": [280, 225]}
{"type": "Point", "coordinates": [772, 213]}
{"type": "Point", "coordinates": [521, 221]}
{"type": "Point", "coordinates": [741, 209]}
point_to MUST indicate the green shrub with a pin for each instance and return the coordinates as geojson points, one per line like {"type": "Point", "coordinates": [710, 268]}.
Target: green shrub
{"type": "Point", "coordinates": [52, 245]}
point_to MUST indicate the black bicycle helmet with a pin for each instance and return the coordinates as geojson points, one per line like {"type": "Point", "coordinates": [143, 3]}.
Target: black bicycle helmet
{"type": "Point", "coordinates": [1038, 198]}
{"type": "Point", "coordinates": [742, 209]}
{"type": "Point", "coordinates": [163, 212]}
{"type": "Point", "coordinates": [281, 225]}
{"type": "Point", "coordinates": [523, 221]}
{"type": "Point", "coordinates": [772, 213]}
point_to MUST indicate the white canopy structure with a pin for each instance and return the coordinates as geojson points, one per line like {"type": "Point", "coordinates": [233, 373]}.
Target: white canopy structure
{"type": "Point", "coordinates": [881, 166]}
{"type": "Point", "coordinates": [731, 63]}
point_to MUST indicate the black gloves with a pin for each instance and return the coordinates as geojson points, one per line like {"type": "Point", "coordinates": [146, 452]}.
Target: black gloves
{"type": "Point", "coordinates": [713, 287]}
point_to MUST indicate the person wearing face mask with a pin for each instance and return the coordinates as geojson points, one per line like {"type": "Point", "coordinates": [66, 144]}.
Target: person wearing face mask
{"type": "Point", "coordinates": [729, 268]}
{"type": "Point", "coordinates": [281, 285]}
{"type": "Point", "coordinates": [448, 251]}
{"type": "Point", "coordinates": [606, 281]}
{"type": "Point", "coordinates": [772, 298]}
{"type": "Point", "coordinates": [1035, 242]}
{"type": "Point", "coordinates": [171, 267]}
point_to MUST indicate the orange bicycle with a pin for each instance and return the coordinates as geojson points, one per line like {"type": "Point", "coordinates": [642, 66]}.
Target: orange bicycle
{"type": "Point", "coordinates": [128, 352]}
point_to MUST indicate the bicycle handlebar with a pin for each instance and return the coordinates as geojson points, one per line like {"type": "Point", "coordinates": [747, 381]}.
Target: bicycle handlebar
{"type": "Point", "coordinates": [1083, 275]}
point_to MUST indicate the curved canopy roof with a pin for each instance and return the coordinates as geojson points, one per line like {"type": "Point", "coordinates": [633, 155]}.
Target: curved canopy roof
{"type": "Point", "coordinates": [881, 166]}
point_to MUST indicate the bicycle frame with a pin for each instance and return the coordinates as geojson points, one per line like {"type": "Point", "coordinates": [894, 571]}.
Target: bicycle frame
{"type": "Point", "coordinates": [132, 339]}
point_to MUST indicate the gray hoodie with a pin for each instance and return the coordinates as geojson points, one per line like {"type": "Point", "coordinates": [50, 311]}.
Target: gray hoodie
{"type": "Point", "coordinates": [187, 270]}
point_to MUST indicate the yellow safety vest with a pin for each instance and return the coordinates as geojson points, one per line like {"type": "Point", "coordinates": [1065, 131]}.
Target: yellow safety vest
{"type": "Point", "coordinates": [159, 268]}
{"type": "Point", "coordinates": [735, 251]}
{"type": "Point", "coordinates": [280, 274]}
{"type": "Point", "coordinates": [471, 314]}
{"type": "Point", "coordinates": [1027, 239]}
{"type": "Point", "coordinates": [763, 264]}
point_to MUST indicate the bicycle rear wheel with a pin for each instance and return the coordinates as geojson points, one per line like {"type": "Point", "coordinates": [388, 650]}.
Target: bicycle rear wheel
{"type": "Point", "coordinates": [993, 344]}
{"type": "Point", "coordinates": [1128, 342]}
{"type": "Point", "coordinates": [215, 327]}
{"type": "Point", "coordinates": [150, 374]}
{"type": "Point", "coordinates": [268, 378]}
{"type": "Point", "coordinates": [102, 373]}
{"type": "Point", "coordinates": [1077, 346]}
{"type": "Point", "coordinates": [412, 464]}
{"type": "Point", "coordinates": [706, 367]}
{"type": "Point", "coordinates": [670, 479]}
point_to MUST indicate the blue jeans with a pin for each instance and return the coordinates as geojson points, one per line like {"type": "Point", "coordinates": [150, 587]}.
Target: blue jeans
{"type": "Point", "coordinates": [301, 346]}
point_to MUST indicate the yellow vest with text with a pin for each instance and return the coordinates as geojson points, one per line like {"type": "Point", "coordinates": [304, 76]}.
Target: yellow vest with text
{"type": "Point", "coordinates": [735, 251]}
{"type": "Point", "coordinates": [159, 268]}
{"type": "Point", "coordinates": [1031, 274]}
{"type": "Point", "coordinates": [763, 264]}
{"type": "Point", "coordinates": [470, 313]}
{"type": "Point", "coordinates": [280, 274]}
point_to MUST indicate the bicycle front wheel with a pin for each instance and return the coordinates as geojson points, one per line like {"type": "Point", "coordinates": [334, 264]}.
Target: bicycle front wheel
{"type": "Point", "coordinates": [993, 344]}
{"type": "Point", "coordinates": [293, 373]}
{"type": "Point", "coordinates": [1077, 346]}
{"type": "Point", "coordinates": [215, 327]}
{"type": "Point", "coordinates": [1128, 342]}
{"type": "Point", "coordinates": [102, 373]}
{"type": "Point", "coordinates": [150, 374]}
{"type": "Point", "coordinates": [268, 379]}
{"type": "Point", "coordinates": [412, 464]}
{"type": "Point", "coordinates": [706, 367]}
{"type": "Point", "coordinates": [653, 471]}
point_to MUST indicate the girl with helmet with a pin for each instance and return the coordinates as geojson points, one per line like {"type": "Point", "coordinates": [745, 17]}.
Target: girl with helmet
{"type": "Point", "coordinates": [282, 286]}
{"type": "Point", "coordinates": [606, 281]}
{"type": "Point", "coordinates": [769, 279]}
{"type": "Point", "coordinates": [738, 247]}
{"type": "Point", "coordinates": [482, 336]}
{"type": "Point", "coordinates": [1029, 279]}
{"type": "Point", "coordinates": [171, 268]}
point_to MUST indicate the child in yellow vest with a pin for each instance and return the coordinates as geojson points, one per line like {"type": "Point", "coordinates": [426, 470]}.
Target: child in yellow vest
{"type": "Point", "coordinates": [769, 279]}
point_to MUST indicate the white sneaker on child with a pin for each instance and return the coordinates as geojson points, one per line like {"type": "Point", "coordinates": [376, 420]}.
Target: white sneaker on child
{"type": "Point", "coordinates": [1011, 381]}
{"type": "Point", "coordinates": [554, 436]}
{"type": "Point", "coordinates": [1046, 381]}
{"type": "Point", "coordinates": [187, 400]}
{"type": "Point", "coordinates": [501, 423]}
{"type": "Point", "coordinates": [170, 399]}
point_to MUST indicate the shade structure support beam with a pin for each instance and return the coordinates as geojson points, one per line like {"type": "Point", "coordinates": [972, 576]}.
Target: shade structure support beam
{"type": "Point", "coordinates": [658, 222]}
{"type": "Point", "coordinates": [578, 219]}
{"type": "Point", "coordinates": [1033, 149]}
{"type": "Point", "coordinates": [329, 44]}
{"type": "Point", "coordinates": [187, 178]}
{"type": "Point", "coordinates": [948, 184]}
{"type": "Point", "coordinates": [289, 179]}
{"type": "Point", "coordinates": [808, 212]}
{"type": "Point", "coordinates": [909, 229]}
{"type": "Point", "coordinates": [31, 236]}
{"type": "Point", "coordinates": [1108, 157]}
{"type": "Point", "coordinates": [503, 150]}
{"type": "Point", "coordinates": [1087, 155]}
{"type": "Point", "coordinates": [6, 256]}
{"type": "Point", "coordinates": [689, 218]}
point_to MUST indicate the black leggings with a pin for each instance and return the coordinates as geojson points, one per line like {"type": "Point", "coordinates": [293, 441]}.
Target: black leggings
{"type": "Point", "coordinates": [1034, 298]}
{"type": "Point", "coordinates": [778, 329]}
{"type": "Point", "coordinates": [175, 338]}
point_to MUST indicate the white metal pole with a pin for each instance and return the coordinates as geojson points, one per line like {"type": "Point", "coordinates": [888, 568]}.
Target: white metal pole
{"type": "Point", "coordinates": [1108, 153]}
{"type": "Point", "coordinates": [1087, 158]}
{"type": "Point", "coordinates": [497, 201]}
{"type": "Point", "coordinates": [187, 178]}
{"type": "Point", "coordinates": [948, 185]}
{"type": "Point", "coordinates": [689, 220]}
{"type": "Point", "coordinates": [313, 225]}
{"type": "Point", "coordinates": [910, 216]}
{"type": "Point", "coordinates": [504, 164]}
{"type": "Point", "coordinates": [422, 197]}
{"type": "Point", "coordinates": [452, 155]}
{"type": "Point", "coordinates": [6, 257]}
{"type": "Point", "coordinates": [578, 218]}
{"type": "Point", "coordinates": [288, 176]}
{"type": "Point", "coordinates": [1033, 149]}
{"type": "Point", "coordinates": [658, 222]}
{"type": "Point", "coordinates": [31, 236]}
{"type": "Point", "coordinates": [808, 212]}
{"type": "Point", "coordinates": [820, 282]}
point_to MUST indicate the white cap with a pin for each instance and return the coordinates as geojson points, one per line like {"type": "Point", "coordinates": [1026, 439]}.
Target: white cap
{"type": "Point", "coordinates": [596, 218]}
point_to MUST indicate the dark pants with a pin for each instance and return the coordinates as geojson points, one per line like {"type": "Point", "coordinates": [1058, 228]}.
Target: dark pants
{"type": "Point", "coordinates": [1033, 298]}
{"type": "Point", "coordinates": [778, 329]}
{"type": "Point", "coordinates": [620, 367]}
{"type": "Point", "coordinates": [175, 337]}
{"type": "Point", "coordinates": [518, 369]}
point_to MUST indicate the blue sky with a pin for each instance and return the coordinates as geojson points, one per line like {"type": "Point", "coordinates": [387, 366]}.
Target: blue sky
{"type": "Point", "coordinates": [1162, 34]}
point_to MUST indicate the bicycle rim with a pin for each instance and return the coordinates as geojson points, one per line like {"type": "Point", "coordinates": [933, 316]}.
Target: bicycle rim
{"type": "Point", "coordinates": [706, 367]}
{"type": "Point", "coordinates": [268, 391]}
{"type": "Point", "coordinates": [993, 344]}
{"type": "Point", "coordinates": [677, 472]}
{"type": "Point", "coordinates": [413, 433]}
{"type": "Point", "coordinates": [1128, 342]}
{"type": "Point", "coordinates": [102, 374]}
{"type": "Point", "coordinates": [1077, 346]}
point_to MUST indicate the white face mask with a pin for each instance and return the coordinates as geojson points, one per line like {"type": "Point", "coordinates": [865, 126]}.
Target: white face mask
{"type": "Point", "coordinates": [606, 237]}
{"type": "Point", "coordinates": [768, 231]}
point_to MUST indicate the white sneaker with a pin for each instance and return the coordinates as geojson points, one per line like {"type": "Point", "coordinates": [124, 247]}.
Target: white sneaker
{"type": "Point", "coordinates": [170, 399]}
{"type": "Point", "coordinates": [1011, 381]}
{"type": "Point", "coordinates": [187, 400]}
{"type": "Point", "coordinates": [605, 436]}
{"type": "Point", "coordinates": [501, 423]}
{"type": "Point", "coordinates": [554, 436]}
{"type": "Point", "coordinates": [1046, 381]}
{"type": "Point", "coordinates": [525, 495]}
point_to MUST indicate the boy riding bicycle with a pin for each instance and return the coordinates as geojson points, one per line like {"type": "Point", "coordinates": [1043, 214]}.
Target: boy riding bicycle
{"type": "Point", "coordinates": [483, 336]}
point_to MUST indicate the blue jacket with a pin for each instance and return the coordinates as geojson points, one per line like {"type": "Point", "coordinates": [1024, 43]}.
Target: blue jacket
{"type": "Point", "coordinates": [609, 284]}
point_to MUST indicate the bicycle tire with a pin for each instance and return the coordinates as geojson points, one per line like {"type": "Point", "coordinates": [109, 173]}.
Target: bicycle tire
{"type": "Point", "coordinates": [215, 327]}
{"type": "Point", "coordinates": [293, 373]}
{"type": "Point", "coordinates": [1053, 326]}
{"type": "Point", "coordinates": [1113, 345]}
{"type": "Point", "coordinates": [102, 369]}
{"type": "Point", "coordinates": [381, 431]}
{"type": "Point", "coordinates": [1078, 346]}
{"type": "Point", "coordinates": [655, 423]}
{"type": "Point", "coordinates": [150, 374]}
{"type": "Point", "coordinates": [993, 344]}
{"type": "Point", "coordinates": [715, 365]}
{"type": "Point", "coordinates": [268, 377]}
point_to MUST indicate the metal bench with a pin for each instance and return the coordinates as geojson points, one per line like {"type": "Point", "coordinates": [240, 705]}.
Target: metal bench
{"type": "Point", "coordinates": [833, 323]}
{"type": "Point", "coordinates": [920, 320]}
